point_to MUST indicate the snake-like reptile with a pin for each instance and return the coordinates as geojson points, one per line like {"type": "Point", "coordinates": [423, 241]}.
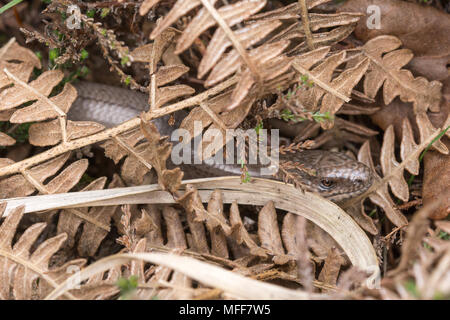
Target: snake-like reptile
{"type": "Point", "coordinates": [337, 176]}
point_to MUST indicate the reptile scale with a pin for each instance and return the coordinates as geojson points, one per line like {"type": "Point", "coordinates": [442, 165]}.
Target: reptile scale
{"type": "Point", "coordinates": [337, 176]}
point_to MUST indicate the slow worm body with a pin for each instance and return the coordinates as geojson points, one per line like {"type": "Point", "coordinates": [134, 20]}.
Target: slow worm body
{"type": "Point", "coordinates": [337, 176]}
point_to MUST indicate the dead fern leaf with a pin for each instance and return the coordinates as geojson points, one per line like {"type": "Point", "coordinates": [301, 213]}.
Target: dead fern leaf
{"type": "Point", "coordinates": [49, 133]}
{"type": "Point", "coordinates": [393, 174]}
{"type": "Point", "coordinates": [241, 235]}
{"type": "Point", "coordinates": [148, 225]}
{"type": "Point", "coordinates": [20, 185]}
{"type": "Point", "coordinates": [95, 221]}
{"type": "Point", "coordinates": [269, 233]}
{"type": "Point", "coordinates": [259, 192]}
{"type": "Point", "coordinates": [141, 157]}
{"type": "Point", "coordinates": [231, 62]}
{"type": "Point", "coordinates": [231, 14]}
{"type": "Point", "coordinates": [41, 111]}
{"type": "Point", "coordinates": [330, 271]}
{"type": "Point", "coordinates": [219, 43]}
{"type": "Point", "coordinates": [68, 178]}
{"type": "Point", "coordinates": [328, 94]}
{"type": "Point", "coordinates": [18, 60]}
{"type": "Point", "coordinates": [166, 94]}
{"type": "Point", "coordinates": [26, 274]}
{"type": "Point", "coordinates": [326, 38]}
{"type": "Point", "coordinates": [44, 108]}
{"type": "Point", "coordinates": [15, 96]}
{"type": "Point", "coordinates": [6, 140]}
{"type": "Point", "coordinates": [115, 152]}
{"type": "Point", "coordinates": [157, 154]}
{"type": "Point", "coordinates": [192, 203]}
{"type": "Point", "coordinates": [263, 63]}
{"type": "Point", "coordinates": [5, 162]}
{"type": "Point", "coordinates": [385, 70]}
{"type": "Point", "coordinates": [218, 237]}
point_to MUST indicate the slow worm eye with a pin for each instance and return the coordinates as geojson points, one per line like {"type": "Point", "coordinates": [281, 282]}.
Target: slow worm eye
{"type": "Point", "coordinates": [326, 183]}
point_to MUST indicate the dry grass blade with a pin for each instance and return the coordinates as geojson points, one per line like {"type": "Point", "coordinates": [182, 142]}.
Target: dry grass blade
{"type": "Point", "coordinates": [235, 285]}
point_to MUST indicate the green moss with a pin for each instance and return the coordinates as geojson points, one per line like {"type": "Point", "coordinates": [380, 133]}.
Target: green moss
{"type": "Point", "coordinates": [127, 287]}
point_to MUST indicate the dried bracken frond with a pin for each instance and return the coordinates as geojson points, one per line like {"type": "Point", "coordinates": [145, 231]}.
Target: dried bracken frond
{"type": "Point", "coordinates": [32, 179]}
{"type": "Point", "coordinates": [95, 221]}
{"type": "Point", "coordinates": [326, 94]}
{"type": "Point", "coordinates": [44, 107]}
{"type": "Point", "coordinates": [264, 63]}
{"type": "Point", "coordinates": [26, 274]}
{"type": "Point", "coordinates": [6, 140]}
{"type": "Point", "coordinates": [393, 174]}
{"type": "Point", "coordinates": [424, 264]}
{"type": "Point", "coordinates": [386, 62]}
{"type": "Point", "coordinates": [265, 248]}
{"type": "Point", "coordinates": [125, 144]}
{"type": "Point", "coordinates": [255, 65]}
{"type": "Point", "coordinates": [157, 153]}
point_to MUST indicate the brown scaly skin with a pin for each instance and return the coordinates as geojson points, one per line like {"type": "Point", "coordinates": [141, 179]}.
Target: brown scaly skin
{"type": "Point", "coordinates": [337, 176]}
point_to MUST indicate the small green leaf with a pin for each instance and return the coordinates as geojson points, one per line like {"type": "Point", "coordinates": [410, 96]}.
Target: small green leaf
{"type": "Point", "coordinates": [247, 178]}
{"type": "Point", "coordinates": [84, 54]}
{"type": "Point", "coordinates": [105, 12]}
{"type": "Point", "coordinates": [411, 287]}
{"type": "Point", "coordinates": [127, 286]}
{"type": "Point", "coordinates": [444, 235]}
{"type": "Point", "coordinates": [258, 127]}
{"type": "Point", "coordinates": [90, 13]}
{"type": "Point", "coordinates": [53, 54]}
{"type": "Point", "coordinates": [124, 60]}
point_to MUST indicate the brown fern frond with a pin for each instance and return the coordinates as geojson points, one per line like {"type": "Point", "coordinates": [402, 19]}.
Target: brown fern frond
{"type": "Point", "coordinates": [393, 174]}
{"type": "Point", "coordinates": [94, 221]}
{"type": "Point", "coordinates": [36, 93]}
{"type": "Point", "coordinates": [32, 179]}
{"type": "Point", "coordinates": [386, 62]}
{"type": "Point", "coordinates": [326, 92]}
{"type": "Point", "coordinates": [26, 274]}
{"type": "Point", "coordinates": [276, 30]}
